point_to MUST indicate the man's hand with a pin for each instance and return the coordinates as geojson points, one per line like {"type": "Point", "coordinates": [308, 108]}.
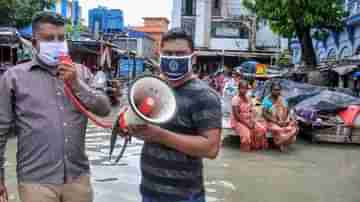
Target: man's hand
{"type": "Point", "coordinates": [4, 197]}
{"type": "Point", "coordinates": [145, 132]}
{"type": "Point", "coordinates": [68, 74]}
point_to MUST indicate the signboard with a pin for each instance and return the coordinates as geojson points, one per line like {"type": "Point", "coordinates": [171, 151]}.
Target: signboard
{"type": "Point", "coordinates": [229, 44]}
{"type": "Point", "coordinates": [227, 32]}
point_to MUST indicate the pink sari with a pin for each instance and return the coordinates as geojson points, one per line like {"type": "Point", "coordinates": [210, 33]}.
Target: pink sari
{"type": "Point", "coordinates": [250, 138]}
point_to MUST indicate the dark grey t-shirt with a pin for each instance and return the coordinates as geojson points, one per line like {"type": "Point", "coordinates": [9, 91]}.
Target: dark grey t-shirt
{"type": "Point", "coordinates": [167, 174]}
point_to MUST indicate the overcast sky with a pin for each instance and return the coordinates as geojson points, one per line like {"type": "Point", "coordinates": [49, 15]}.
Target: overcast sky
{"type": "Point", "coordinates": [134, 10]}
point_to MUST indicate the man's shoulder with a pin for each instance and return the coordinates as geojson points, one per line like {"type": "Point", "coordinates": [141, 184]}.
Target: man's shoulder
{"type": "Point", "coordinates": [199, 86]}
{"type": "Point", "coordinates": [81, 67]}
{"type": "Point", "coordinates": [18, 69]}
{"type": "Point", "coordinates": [204, 91]}
{"type": "Point", "coordinates": [83, 71]}
{"type": "Point", "coordinates": [201, 93]}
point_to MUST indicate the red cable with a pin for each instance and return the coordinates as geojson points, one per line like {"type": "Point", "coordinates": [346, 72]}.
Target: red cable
{"type": "Point", "coordinates": [65, 59]}
{"type": "Point", "coordinates": [83, 110]}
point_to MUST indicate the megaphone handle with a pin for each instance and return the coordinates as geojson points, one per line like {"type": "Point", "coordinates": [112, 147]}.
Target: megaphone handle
{"type": "Point", "coordinates": [126, 142]}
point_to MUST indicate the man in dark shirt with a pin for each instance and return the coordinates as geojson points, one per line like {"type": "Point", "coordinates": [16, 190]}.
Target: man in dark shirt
{"type": "Point", "coordinates": [171, 160]}
{"type": "Point", "coordinates": [51, 162]}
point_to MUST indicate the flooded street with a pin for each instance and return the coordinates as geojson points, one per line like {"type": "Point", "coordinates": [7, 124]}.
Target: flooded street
{"type": "Point", "coordinates": [309, 172]}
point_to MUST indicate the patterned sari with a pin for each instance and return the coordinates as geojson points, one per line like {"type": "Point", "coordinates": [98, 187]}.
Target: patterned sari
{"type": "Point", "coordinates": [282, 135]}
{"type": "Point", "coordinates": [250, 138]}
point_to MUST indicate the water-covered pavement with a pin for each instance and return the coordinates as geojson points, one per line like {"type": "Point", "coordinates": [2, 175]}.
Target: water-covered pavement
{"type": "Point", "coordinates": [309, 172]}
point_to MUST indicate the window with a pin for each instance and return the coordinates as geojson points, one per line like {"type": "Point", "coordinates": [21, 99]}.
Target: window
{"type": "Point", "coordinates": [229, 30]}
{"type": "Point", "coordinates": [216, 8]}
{"type": "Point", "coordinates": [189, 26]}
{"type": "Point", "coordinates": [217, 4]}
{"type": "Point", "coordinates": [188, 7]}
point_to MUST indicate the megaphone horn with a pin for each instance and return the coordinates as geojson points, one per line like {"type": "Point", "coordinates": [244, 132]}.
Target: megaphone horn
{"type": "Point", "coordinates": [151, 100]}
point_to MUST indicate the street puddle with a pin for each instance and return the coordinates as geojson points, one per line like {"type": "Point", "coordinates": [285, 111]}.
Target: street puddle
{"type": "Point", "coordinates": [222, 184]}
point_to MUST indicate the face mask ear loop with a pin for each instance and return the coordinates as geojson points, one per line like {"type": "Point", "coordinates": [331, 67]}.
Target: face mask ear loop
{"type": "Point", "coordinates": [190, 65]}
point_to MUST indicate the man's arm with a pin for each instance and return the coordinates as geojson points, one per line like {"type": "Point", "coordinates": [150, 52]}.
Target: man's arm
{"type": "Point", "coordinates": [204, 143]}
{"type": "Point", "coordinates": [94, 100]}
{"type": "Point", "coordinates": [6, 116]}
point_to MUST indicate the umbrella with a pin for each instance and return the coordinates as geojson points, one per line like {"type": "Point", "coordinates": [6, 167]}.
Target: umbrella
{"type": "Point", "coordinates": [248, 67]}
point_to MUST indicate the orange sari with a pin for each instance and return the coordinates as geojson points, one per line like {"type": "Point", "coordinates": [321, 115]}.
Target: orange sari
{"type": "Point", "coordinates": [250, 138]}
{"type": "Point", "coordinates": [282, 135]}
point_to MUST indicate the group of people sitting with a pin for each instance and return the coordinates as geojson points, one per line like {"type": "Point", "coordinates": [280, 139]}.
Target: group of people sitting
{"type": "Point", "coordinates": [274, 128]}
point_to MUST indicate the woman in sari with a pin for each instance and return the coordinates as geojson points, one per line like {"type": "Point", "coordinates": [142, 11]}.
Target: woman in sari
{"type": "Point", "coordinates": [275, 111]}
{"type": "Point", "coordinates": [252, 132]}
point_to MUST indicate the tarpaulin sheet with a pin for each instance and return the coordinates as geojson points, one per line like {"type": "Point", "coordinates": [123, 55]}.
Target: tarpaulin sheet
{"type": "Point", "coordinates": [328, 101]}
{"type": "Point", "coordinates": [293, 92]}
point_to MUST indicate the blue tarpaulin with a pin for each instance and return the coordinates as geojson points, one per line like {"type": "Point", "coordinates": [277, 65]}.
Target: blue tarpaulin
{"type": "Point", "coordinates": [125, 66]}
{"type": "Point", "coordinates": [26, 32]}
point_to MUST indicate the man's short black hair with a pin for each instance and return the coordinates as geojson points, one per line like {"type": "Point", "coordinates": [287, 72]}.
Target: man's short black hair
{"type": "Point", "coordinates": [46, 17]}
{"type": "Point", "coordinates": [177, 33]}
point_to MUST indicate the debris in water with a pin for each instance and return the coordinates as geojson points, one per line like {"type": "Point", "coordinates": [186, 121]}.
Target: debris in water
{"type": "Point", "coordinates": [107, 179]}
{"type": "Point", "coordinates": [209, 190]}
{"type": "Point", "coordinates": [227, 185]}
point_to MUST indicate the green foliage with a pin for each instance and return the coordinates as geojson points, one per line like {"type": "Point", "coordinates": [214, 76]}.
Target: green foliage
{"type": "Point", "coordinates": [297, 18]}
{"type": "Point", "coordinates": [19, 13]}
{"type": "Point", "coordinates": [321, 34]}
{"type": "Point", "coordinates": [287, 16]}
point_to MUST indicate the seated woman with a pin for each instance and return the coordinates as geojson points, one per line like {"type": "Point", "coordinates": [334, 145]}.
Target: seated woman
{"type": "Point", "coordinates": [252, 133]}
{"type": "Point", "coordinates": [279, 123]}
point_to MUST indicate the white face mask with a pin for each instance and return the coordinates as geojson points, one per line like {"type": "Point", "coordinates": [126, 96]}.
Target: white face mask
{"type": "Point", "coordinates": [50, 51]}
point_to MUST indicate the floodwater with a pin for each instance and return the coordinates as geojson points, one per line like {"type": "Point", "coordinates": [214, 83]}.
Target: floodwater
{"type": "Point", "coordinates": [308, 172]}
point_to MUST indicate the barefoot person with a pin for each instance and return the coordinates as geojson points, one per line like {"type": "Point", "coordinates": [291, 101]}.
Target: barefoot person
{"type": "Point", "coordinates": [51, 162]}
{"type": "Point", "coordinates": [243, 121]}
{"type": "Point", "coordinates": [275, 111]}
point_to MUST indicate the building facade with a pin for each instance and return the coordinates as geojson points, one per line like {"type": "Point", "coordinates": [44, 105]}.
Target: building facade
{"type": "Point", "coordinates": [69, 9]}
{"type": "Point", "coordinates": [155, 27]}
{"type": "Point", "coordinates": [223, 25]}
{"type": "Point", "coordinates": [106, 20]}
{"type": "Point", "coordinates": [337, 45]}
{"type": "Point", "coordinates": [139, 42]}
{"type": "Point", "coordinates": [226, 33]}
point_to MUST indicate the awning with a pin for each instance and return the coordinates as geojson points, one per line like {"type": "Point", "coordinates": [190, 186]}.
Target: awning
{"type": "Point", "coordinates": [236, 54]}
